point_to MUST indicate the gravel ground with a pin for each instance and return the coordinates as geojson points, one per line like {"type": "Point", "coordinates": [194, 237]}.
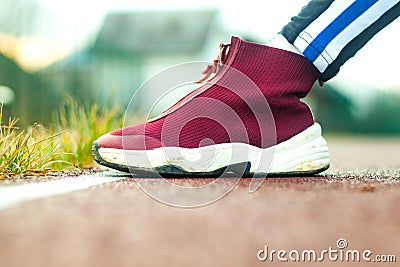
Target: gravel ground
{"type": "Point", "coordinates": [116, 224]}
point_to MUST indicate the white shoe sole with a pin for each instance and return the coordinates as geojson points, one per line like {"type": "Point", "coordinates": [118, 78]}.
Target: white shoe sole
{"type": "Point", "coordinates": [306, 153]}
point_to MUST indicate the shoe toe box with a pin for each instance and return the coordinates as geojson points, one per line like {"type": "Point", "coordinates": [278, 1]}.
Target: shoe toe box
{"type": "Point", "coordinates": [128, 141]}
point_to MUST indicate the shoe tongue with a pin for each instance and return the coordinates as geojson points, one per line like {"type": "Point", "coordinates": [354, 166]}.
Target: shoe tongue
{"type": "Point", "coordinates": [235, 42]}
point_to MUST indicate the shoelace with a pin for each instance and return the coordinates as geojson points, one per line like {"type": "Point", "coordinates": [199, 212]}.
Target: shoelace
{"type": "Point", "coordinates": [214, 68]}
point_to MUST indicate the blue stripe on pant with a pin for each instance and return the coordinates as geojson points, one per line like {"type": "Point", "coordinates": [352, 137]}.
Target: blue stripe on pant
{"type": "Point", "coordinates": [317, 7]}
{"type": "Point", "coordinates": [336, 26]}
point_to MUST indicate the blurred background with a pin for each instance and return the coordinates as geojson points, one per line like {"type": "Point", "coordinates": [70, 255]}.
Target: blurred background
{"type": "Point", "coordinates": [102, 51]}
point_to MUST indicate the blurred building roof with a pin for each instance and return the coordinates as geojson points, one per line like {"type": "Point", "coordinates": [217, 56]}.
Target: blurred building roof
{"type": "Point", "coordinates": [141, 32]}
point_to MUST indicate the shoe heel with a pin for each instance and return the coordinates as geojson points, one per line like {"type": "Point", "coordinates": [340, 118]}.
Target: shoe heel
{"type": "Point", "coordinates": [304, 154]}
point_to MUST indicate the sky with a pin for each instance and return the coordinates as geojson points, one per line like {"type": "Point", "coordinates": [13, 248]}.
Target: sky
{"type": "Point", "coordinates": [71, 25]}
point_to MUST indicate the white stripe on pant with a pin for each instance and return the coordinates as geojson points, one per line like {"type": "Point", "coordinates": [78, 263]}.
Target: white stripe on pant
{"type": "Point", "coordinates": [333, 48]}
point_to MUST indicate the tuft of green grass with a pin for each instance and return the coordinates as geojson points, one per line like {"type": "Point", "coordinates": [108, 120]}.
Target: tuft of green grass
{"type": "Point", "coordinates": [24, 152]}
{"type": "Point", "coordinates": [66, 144]}
{"type": "Point", "coordinates": [85, 123]}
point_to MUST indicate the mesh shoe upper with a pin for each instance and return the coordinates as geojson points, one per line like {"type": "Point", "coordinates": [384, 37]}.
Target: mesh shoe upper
{"type": "Point", "coordinates": [261, 106]}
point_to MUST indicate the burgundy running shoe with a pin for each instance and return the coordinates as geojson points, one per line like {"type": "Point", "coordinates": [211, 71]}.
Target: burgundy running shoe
{"type": "Point", "coordinates": [247, 120]}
